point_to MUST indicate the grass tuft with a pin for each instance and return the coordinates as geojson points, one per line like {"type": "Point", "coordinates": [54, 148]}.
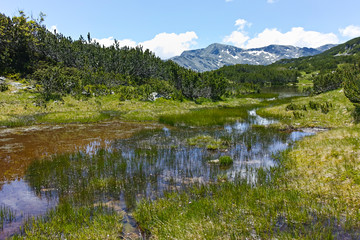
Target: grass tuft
{"type": "Point", "coordinates": [69, 222]}
{"type": "Point", "coordinates": [225, 161]}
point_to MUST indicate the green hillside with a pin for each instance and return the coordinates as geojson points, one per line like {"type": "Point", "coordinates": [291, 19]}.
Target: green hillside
{"type": "Point", "coordinates": [329, 60]}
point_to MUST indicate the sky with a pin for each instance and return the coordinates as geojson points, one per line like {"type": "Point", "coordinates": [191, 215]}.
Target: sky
{"type": "Point", "coordinates": [169, 27]}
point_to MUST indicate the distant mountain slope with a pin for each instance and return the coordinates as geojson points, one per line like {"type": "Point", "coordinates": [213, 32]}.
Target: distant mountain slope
{"type": "Point", "coordinates": [348, 52]}
{"type": "Point", "coordinates": [217, 55]}
{"type": "Point", "coordinates": [351, 47]}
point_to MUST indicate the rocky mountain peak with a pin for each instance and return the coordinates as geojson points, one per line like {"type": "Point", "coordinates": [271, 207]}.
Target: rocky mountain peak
{"type": "Point", "coordinates": [217, 55]}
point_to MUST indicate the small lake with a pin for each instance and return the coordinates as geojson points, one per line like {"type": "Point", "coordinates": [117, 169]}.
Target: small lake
{"type": "Point", "coordinates": [118, 163]}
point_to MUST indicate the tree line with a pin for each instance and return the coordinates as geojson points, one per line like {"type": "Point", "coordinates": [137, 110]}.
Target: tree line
{"type": "Point", "coordinates": [244, 78]}
{"type": "Point", "coordinates": [60, 65]}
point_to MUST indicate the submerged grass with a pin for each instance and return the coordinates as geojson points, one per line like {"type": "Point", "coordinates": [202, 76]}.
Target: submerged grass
{"type": "Point", "coordinates": [79, 178]}
{"type": "Point", "coordinates": [69, 222]}
{"type": "Point", "coordinates": [7, 215]}
{"type": "Point", "coordinates": [208, 142]}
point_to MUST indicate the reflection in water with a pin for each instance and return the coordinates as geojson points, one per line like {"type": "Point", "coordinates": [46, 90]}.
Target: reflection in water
{"type": "Point", "coordinates": [154, 161]}
{"type": "Point", "coordinates": [117, 167]}
{"type": "Point", "coordinates": [19, 147]}
{"type": "Point", "coordinates": [18, 196]}
{"type": "Point", "coordinates": [151, 162]}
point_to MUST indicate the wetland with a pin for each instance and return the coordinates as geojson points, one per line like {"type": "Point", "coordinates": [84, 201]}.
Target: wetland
{"type": "Point", "coordinates": [122, 171]}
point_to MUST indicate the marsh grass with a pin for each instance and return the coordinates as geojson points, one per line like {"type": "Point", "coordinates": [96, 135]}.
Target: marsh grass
{"type": "Point", "coordinates": [279, 206]}
{"type": "Point", "coordinates": [312, 193]}
{"type": "Point", "coordinates": [69, 222]}
{"type": "Point", "coordinates": [238, 211]}
{"type": "Point", "coordinates": [206, 117]}
{"type": "Point", "coordinates": [225, 161]}
{"type": "Point", "coordinates": [7, 215]}
{"type": "Point", "coordinates": [79, 177]}
{"type": "Point", "coordinates": [208, 142]}
{"type": "Point", "coordinates": [259, 95]}
{"type": "Point", "coordinates": [327, 164]}
{"type": "Point", "coordinates": [328, 110]}
{"type": "Point", "coordinates": [26, 108]}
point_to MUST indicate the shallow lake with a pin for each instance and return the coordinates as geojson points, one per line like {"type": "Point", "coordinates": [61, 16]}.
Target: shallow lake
{"type": "Point", "coordinates": [119, 163]}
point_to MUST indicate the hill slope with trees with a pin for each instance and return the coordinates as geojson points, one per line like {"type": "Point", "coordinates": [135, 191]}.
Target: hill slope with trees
{"type": "Point", "coordinates": [61, 65]}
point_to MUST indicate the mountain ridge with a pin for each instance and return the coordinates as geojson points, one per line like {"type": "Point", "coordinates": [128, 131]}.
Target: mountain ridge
{"type": "Point", "coordinates": [217, 55]}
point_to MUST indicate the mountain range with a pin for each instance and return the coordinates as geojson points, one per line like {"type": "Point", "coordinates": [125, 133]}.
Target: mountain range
{"type": "Point", "coordinates": [217, 55]}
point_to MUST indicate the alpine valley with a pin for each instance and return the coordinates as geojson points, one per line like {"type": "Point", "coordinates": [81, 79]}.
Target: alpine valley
{"type": "Point", "coordinates": [217, 55]}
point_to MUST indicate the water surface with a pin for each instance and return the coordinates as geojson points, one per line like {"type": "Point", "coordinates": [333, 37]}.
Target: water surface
{"type": "Point", "coordinates": [120, 163]}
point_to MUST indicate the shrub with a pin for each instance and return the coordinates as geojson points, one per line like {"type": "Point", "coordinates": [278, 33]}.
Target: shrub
{"type": "Point", "coordinates": [225, 161]}
{"type": "Point", "coordinates": [314, 105]}
{"type": "Point", "coordinates": [3, 87]}
{"type": "Point", "coordinates": [325, 107]}
{"type": "Point", "coordinates": [327, 82]}
{"type": "Point", "coordinates": [298, 115]}
{"type": "Point", "coordinates": [293, 106]}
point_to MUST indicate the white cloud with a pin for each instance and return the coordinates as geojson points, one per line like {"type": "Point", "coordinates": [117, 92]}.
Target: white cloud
{"type": "Point", "coordinates": [297, 36]}
{"type": "Point", "coordinates": [53, 29]}
{"type": "Point", "coordinates": [271, 1]}
{"type": "Point", "coordinates": [166, 45]}
{"type": "Point", "coordinates": [350, 31]}
{"type": "Point", "coordinates": [236, 38]}
{"type": "Point", "coordinates": [107, 42]}
{"type": "Point", "coordinates": [242, 23]}
{"type": "Point", "coordinates": [229, 0]}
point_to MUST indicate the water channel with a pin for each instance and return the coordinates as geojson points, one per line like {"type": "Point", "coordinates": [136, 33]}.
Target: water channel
{"type": "Point", "coordinates": [118, 163]}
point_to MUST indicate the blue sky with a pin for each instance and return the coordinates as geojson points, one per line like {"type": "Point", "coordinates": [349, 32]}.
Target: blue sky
{"type": "Point", "coordinates": [169, 27]}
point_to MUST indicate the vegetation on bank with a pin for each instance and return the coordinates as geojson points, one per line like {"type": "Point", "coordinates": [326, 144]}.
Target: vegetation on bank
{"type": "Point", "coordinates": [24, 107]}
{"type": "Point", "coordinates": [328, 110]}
{"type": "Point", "coordinates": [312, 193]}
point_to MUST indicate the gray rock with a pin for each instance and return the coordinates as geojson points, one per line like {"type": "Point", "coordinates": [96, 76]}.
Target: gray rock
{"type": "Point", "coordinates": [154, 95]}
{"type": "Point", "coordinates": [215, 161]}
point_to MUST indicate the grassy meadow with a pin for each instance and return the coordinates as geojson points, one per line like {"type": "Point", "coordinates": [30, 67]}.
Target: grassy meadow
{"type": "Point", "coordinates": [22, 108]}
{"type": "Point", "coordinates": [327, 110]}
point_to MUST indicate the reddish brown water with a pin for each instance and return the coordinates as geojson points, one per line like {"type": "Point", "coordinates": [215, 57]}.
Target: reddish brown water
{"type": "Point", "coordinates": [20, 146]}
